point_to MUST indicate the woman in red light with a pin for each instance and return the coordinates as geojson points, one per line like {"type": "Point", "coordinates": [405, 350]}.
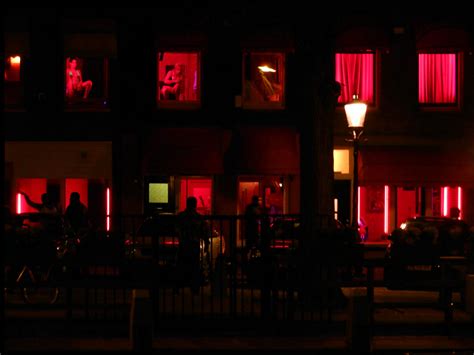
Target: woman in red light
{"type": "Point", "coordinates": [173, 82]}
{"type": "Point", "coordinates": [74, 84]}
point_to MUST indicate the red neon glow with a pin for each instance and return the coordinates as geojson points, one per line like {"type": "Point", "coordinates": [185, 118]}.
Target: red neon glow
{"type": "Point", "coordinates": [34, 188]}
{"type": "Point", "coordinates": [355, 72]}
{"type": "Point", "coordinates": [358, 204]}
{"type": "Point", "coordinates": [108, 210]}
{"type": "Point", "coordinates": [445, 201]}
{"type": "Point", "coordinates": [460, 201]}
{"type": "Point", "coordinates": [437, 78]}
{"type": "Point", "coordinates": [386, 209]}
{"type": "Point", "coordinates": [175, 242]}
{"type": "Point", "coordinates": [18, 203]}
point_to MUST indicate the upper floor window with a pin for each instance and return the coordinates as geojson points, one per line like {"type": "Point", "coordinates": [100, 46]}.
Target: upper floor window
{"type": "Point", "coordinates": [264, 80]}
{"type": "Point", "coordinates": [90, 52]}
{"type": "Point", "coordinates": [13, 82]}
{"type": "Point", "coordinates": [438, 78]}
{"type": "Point", "coordinates": [86, 82]}
{"type": "Point", "coordinates": [356, 73]}
{"type": "Point", "coordinates": [16, 60]}
{"type": "Point", "coordinates": [179, 79]}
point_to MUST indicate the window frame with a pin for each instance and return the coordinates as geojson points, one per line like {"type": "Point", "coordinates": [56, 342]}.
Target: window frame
{"type": "Point", "coordinates": [376, 75]}
{"type": "Point", "coordinates": [457, 106]}
{"type": "Point", "coordinates": [88, 106]}
{"type": "Point", "coordinates": [179, 178]}
{"type": "Point", "coordinates": [21, 83]}
{"type": "Point", "coordinates": [176, 104]}
{"type": "Point", "coordinates": [279, 105]}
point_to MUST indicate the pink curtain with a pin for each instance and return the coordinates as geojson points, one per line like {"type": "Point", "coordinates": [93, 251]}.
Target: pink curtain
{"type": "Point", "coordinates": [355, 72]}
{"type": "Point", "coordinates": [437, 78]}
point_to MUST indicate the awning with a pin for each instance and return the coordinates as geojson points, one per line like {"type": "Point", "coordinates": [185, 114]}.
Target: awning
{"type": "Point", "coordinates": [17, 43]}
{"type": "Point", "coordinates": [185, 151]}
{"type": "Point", "coordinates": [60, 159]}
{"type": "Point", "coordinates": [208, 151]}
{"type": "Point", "coordinates": [415, 166]}
{"type": "Point", "coordinates": [92, 45]}
{"type": "Point", "coordinates": [264, 150]}
{"type": "Point", "coordinates": [362, 37]}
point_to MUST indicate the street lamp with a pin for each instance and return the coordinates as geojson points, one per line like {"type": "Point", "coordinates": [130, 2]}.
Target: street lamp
{"type": "Point", "coordinates": [355, 113]}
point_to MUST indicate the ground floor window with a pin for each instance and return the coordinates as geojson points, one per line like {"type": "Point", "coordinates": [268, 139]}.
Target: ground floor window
{"type": "Point", "coordinates": [385, 207]}
{"type": "Point", "coordinates": [199, 187]}
{"type": "Point", "coordinates": [94, 194]}
{"type": "Point", "coordinates": [268, 189]}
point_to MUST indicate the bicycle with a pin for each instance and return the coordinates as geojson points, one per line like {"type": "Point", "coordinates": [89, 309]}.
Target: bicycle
{"type": "Point", "coordinates": [36, 262]}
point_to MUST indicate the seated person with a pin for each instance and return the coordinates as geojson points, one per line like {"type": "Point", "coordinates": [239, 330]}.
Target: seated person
{"type": "Point", "coordinates": [74, 84]}
{"type": "Point", "coordinates": [173, 82]}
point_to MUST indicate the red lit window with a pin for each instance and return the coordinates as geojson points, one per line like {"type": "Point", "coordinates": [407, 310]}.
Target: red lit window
{"type": "Point", "coordinates": [437, 78]}
{"type": "Point", "coordinates": [355, 72]}
{"type": "Point", "coordinates": [13, 81]}
{"type": "Point", "coordinates": [77, 185]}
{"type": "Point", "coordinates": [34, 188]}
{"type": "Point", "coordinates": [179, 77]}
{"type": "Point", "coordinates": [86, 82]}
{"type": "Point", "coordinates": [200, 188]}
{"type": "Point", "coordinates": [264, 80]}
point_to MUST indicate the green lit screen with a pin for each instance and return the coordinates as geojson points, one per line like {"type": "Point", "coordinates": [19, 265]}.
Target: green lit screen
{"type": "Point", "coordinates": [158, 193]}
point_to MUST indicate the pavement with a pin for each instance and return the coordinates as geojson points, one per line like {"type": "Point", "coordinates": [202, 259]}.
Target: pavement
{"type": "Point", "coordinates": [237, 343]}
{"type": "Point", "coordinates": [398, 330]}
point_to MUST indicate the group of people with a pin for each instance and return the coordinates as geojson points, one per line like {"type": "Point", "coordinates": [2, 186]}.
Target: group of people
{"type": "Point", "coordinates": [76, 216]}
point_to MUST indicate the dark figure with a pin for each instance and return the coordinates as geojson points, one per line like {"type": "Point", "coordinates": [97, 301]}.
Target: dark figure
{"type": "Point", "coordinates": [192, 229]}
{"type": "Point", "coordinates": [46, 205]}
{"type": "Point", "coordinates": [253, 211]}
{"type": "Point", "coordinates": [453, 234]}
{"type": "Point", "coordinates": [76, 214]}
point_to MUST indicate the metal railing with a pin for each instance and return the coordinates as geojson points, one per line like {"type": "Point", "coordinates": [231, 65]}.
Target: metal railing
{"type": "Point", "coordinates": [285, 277]}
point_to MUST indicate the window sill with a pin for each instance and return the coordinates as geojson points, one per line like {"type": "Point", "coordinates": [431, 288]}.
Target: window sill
{"type": "Point", "coordinates": [179, 105]}
{"type": "Point", "coordinates": [263, 106]}
{"type": "Point", "coordinates": [456, 108]}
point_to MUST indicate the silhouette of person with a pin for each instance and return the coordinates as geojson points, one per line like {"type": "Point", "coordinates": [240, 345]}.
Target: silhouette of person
{"type": "Point", "coordinates": [192, 228]}
{"type": "Point", "coordinates": [454, 213]}
{"type": "Point", "coordinates": [173, 82]}
{"type": "Point", "coordinates": [453, 234]}
{"type": "Point", "coordinates": [74, 84]}
{"type": "Point", "coordinates": [76, 213]}
{"type": "Point", "coordinates": [47, 227]}
{"type": "Point", "coordinates": [46, 205]}
{"type": "Point", "coordinates": [252, 222]}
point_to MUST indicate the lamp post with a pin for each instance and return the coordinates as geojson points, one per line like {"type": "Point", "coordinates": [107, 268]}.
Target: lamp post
{"type": "Point", "coordinates": [355, 113]}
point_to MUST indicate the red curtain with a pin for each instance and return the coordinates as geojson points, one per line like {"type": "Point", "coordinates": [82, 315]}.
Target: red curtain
{"type": "Point", "coordinates": [437, 78]}
{"type": "Point", "coordinates": [355, 72]}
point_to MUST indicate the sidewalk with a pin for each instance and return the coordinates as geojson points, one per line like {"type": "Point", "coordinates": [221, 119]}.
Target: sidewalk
{"type": "Point", "coordinates": [236, 343]}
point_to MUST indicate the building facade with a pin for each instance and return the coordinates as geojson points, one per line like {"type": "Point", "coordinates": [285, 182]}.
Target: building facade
{"type": "Point", "coordinates": [137, 113]}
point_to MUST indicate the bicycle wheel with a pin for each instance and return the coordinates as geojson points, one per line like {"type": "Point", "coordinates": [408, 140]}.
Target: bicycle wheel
{"type": "Point", "coordinates": [40, 293]}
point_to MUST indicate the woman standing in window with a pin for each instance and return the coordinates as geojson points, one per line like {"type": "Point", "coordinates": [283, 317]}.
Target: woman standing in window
{"type": "Point", "coordinates": [74, 84]}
